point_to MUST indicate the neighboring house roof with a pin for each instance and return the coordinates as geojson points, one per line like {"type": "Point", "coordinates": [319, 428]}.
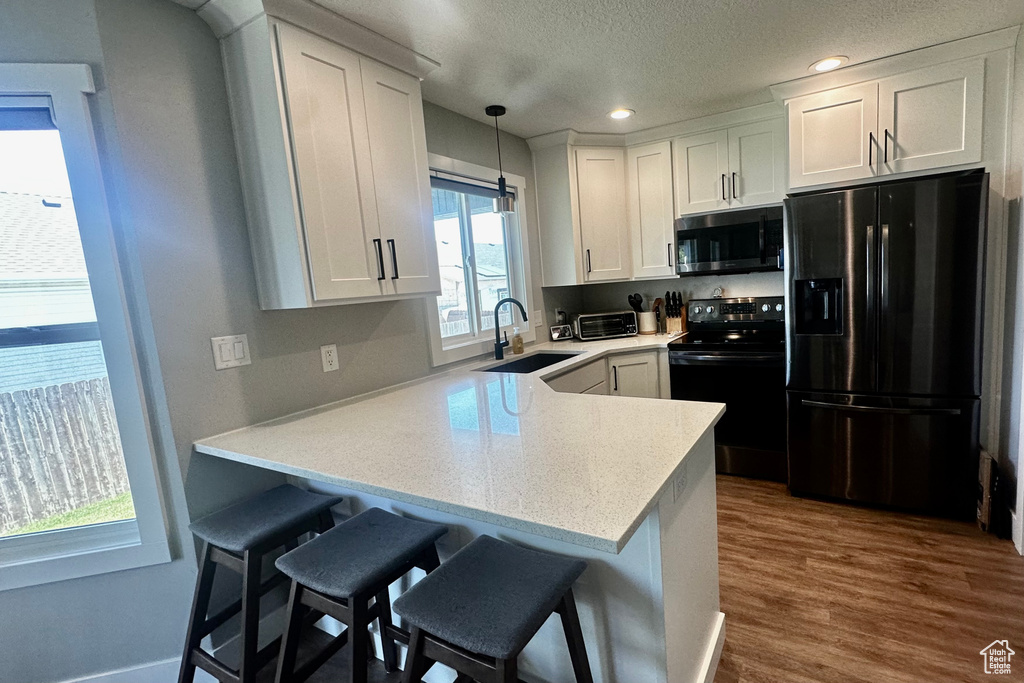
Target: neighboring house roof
{"type": "Point", "coordinates": [39, 241]}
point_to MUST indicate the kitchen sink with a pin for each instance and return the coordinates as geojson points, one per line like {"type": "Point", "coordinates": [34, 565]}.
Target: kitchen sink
{"type": "Point", "coordinates": [533, 362]}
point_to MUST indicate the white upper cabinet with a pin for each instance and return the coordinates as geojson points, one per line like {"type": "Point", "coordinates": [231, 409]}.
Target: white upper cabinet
{"type": "Point", "coordinates": [832, 135]}
{"type": "Point", "coordinates": [729, 168]}
{"type": "Point", "coordinates": [323, 95]}
{"type": "Point", "coordinates": [919, 120]}
{"type": "Point", "coordinates": [932, 117]}
{"type": "Point", "coordinates": [701, 165]}
{"type": "Point", "coordinates": [333, 161]}
{"type": "Point", "coordinates": [757, 162]}
{"type": "Point", "coordinates": [604, 235]}
{"type": "Point", "coordinates": [398, 147]}
{"type": "Point", "coordinates": [649, 172]}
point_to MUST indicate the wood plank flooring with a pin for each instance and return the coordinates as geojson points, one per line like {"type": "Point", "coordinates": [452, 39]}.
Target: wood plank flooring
{"type": "Point", "coordinates": [817, 592]}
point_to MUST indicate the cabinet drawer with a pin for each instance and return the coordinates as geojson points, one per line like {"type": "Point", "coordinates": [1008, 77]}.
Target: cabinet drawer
{"type": "Point", "coordinates": [580, 380]}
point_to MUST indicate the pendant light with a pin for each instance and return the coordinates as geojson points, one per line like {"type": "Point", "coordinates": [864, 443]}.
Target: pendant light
{"type": "Point", "coordinates": [504, 202]}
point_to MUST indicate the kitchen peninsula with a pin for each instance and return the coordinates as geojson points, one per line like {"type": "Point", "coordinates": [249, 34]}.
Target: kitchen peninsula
{"type": "Point", "coordinates": [626, 483]}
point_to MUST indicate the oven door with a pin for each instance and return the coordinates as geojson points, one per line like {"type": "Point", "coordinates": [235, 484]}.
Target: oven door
{"type": "Point", "coordinates": [750, 439]}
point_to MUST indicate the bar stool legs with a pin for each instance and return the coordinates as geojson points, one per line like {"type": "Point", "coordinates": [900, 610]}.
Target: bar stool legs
{"type": "Point", "coordinates": [249, 564]}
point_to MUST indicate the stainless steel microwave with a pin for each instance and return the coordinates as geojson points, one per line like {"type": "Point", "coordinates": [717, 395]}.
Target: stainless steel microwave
{"type": "Point", "coordinates": [729, 242]}
{"type": "Point", "coordinates": [604, 325]}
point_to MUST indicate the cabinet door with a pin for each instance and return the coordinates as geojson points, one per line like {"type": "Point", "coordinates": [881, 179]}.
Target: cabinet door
{"type": "Point", "coordinates": [833, 135]}
{"type": "Point", "coordinates": [604, 234]}
{"type": "Point", "coordinates": [327, 124]}
{"type": "Point", "coordinates": [932, 117]}
{"type": "Point", "coordinates": [650, 209]}
{"type": "Point", "coordinates": [634, 374]}
{"type": "Point", "coordinates": [701, 165]}
{"type": "Point", "coordinates": [401, 178]}
{"type": "Point", "coordinates": [756, 163]}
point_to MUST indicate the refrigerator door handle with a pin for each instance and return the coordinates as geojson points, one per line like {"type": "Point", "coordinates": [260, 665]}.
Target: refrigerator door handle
{"type": "Point", "coordinates": [879, 409]}
{"type": "Point", "coordinates": [885, 269]}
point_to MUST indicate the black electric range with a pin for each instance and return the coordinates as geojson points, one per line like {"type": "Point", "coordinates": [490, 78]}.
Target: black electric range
{"type": "Point", "coordinates": [735, 353]}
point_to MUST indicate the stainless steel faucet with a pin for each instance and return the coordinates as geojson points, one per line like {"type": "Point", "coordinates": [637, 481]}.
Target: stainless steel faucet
{"type": "Point", "coordinates": [499, 345]}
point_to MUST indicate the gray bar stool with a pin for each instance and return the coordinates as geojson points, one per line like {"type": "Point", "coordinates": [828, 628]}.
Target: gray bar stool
{"type": "Point", "coordinates": [480, 609]}
{"type": "Point", "coordinates": [339, 573]}
{"type": "Point", "coordinates": [238, 537]}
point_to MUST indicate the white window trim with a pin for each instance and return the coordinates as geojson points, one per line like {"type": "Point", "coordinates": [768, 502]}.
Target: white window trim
{"type": "Point", "coordinates": [70, 553]}
{"type": "Point", "coordinates": [521, 287]}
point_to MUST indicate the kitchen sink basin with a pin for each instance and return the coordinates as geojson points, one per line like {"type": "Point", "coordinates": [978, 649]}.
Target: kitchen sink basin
{"type": "Point", "coordinates": [530, 363]}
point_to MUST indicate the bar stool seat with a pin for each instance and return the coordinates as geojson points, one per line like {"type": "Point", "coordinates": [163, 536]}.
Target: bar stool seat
{"type": "Point", "coordinates": [489, 600]}
{"type": "Point", "coordinates": [359, 553]}
{"type": "Point", "coordinates": [245, 525]}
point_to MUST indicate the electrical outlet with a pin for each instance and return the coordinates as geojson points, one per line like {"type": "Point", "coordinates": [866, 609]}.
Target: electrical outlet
{"type": "Point", "coordinates": [329, 356]}
{"type": "Point", "coordinates": [679, 483]}
{"type": "Point", "coordinates": [230, 351]}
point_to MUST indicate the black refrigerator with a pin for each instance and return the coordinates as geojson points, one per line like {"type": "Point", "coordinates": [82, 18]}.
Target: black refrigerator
{"type": "Point", "coordinates": [884, 339]}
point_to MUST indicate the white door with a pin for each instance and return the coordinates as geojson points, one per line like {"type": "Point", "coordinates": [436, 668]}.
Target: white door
{"type": "Point", "coordinates": [757, 163]}
{"type": "Point", "coordinates": [932, 117]}
{"type": "Point", "coordinates": [649, 169]}
{"type": "Point", "coordinates": [604, 233]}
{"type": "Point", "coordinates": [701, 165]}
{"type": "Point", "coordinates": [634, 374]}
{"type": "Point", "coordinates": [833, 135]}
{"type": "Point", "coordinates": [324, 100]}
{"type": "Point", "coordinates": [401, 177]}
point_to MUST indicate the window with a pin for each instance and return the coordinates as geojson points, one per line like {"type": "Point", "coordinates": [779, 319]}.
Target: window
{"type": "Point", "coordinates": [482, 260]}
{"type": "Point", "coordinates": [78, 491]}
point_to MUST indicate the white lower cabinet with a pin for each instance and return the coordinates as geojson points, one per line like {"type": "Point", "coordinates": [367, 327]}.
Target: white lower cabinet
{"type": "Point", "coordinates": [634, 374]}
{"type": "Point", "coordinates": [586, 379]}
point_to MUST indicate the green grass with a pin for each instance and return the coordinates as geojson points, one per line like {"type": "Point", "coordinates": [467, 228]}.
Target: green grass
{"type": "Point", "coordinates": [110, 510]}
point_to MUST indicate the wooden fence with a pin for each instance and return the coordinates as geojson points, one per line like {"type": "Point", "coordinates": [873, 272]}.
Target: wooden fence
{"type": "Point", "coordinates": [59, 450]}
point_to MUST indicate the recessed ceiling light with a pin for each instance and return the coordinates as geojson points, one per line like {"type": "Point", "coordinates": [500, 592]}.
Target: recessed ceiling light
{"type": "Point", "coordinates": [621, 113]}
{"type": "Point", "coordinates": [829, 63]}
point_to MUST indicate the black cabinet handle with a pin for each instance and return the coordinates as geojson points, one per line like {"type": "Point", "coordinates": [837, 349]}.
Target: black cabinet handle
{"type": "Point", "coordinates": [615, 378]}
{"type": "Point", "coordinates": [380, 258]}
{"type": "Point", "coordinates": [886, 157]}
{"type": "Point", "coordinates": [588, 260]}
{"type": "Point", "coordinates": [394, 259]}
{"type": "Point", "coordinates": [723, 188]}
{"type": "Point", "coordinates": [871, 146]}
{"type": "Point", "coordinates": [669, 254]}
{"type": "Point", "coordinates": [734, 185]}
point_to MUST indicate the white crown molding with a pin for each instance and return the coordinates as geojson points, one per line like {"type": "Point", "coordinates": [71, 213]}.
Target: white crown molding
{"type": "Point", "coordinates": [974, 46]}
{"type": "Point", "coordinates": [227, 16]}
{"type": "Point", "coordinates": [568, 136]}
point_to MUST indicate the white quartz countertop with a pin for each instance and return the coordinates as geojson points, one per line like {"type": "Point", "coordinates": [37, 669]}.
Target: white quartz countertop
{"type": "Point", "coordinates": [495, 447]}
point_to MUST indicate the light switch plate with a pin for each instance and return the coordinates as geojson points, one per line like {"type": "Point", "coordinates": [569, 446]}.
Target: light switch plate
{"type": "Point", "coordinates": [329, 356]}
{"type": "Point", "coordinates": [231, 351]}
{"type": "Point", "coordinates": [679, 483]}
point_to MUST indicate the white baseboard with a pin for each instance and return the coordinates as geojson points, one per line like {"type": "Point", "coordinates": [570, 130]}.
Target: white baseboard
{"type": "Point", "coordinates": [709, 667]}
{"type": "Point", "coordinates": [1017, 527]}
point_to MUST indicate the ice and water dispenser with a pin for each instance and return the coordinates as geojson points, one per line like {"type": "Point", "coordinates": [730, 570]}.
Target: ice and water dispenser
{"type": "Point", "coordinates": [818, 306]}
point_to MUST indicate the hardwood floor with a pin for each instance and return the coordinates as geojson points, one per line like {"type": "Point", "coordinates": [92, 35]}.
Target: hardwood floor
{"type": "Point", "coordinates": [817, 592]}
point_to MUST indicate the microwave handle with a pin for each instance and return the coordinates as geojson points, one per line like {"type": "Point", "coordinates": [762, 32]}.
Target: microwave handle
{"type": "Point", "coordinates": [761, 239]}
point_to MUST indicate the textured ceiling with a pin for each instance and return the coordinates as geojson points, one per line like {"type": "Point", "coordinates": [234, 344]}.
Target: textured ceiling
{"type": "Point", "coordinates": [566, 63]}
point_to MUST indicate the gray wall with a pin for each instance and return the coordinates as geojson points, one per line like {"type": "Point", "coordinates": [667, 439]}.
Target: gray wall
{"type": "Point", "coordinates": [169, 162]}
{"type": "Point", "coordinates": [453, 135]}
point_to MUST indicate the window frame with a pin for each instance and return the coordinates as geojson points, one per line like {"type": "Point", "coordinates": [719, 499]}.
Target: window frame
{"type": "Point", "coordinates": [517, 245]}
{"type": "Point", "coordinates": [58, 555]}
